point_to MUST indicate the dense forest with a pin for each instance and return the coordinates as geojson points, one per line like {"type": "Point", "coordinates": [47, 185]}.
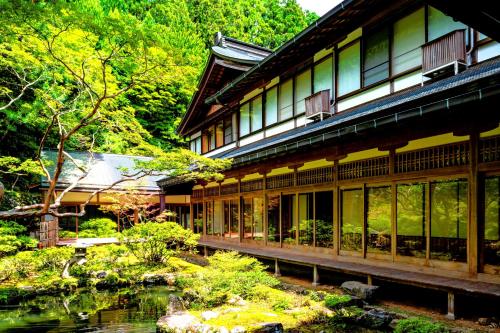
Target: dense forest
{"type": "Point", "coordinates": [147, 55]}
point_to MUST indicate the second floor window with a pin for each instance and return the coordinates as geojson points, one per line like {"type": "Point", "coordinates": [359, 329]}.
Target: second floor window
{"type": "Point", "coordinates": [349, 69]}
{"type": "Point", "coordinates": [409, 36]}
{"type": "Point", "coordinates": [196, 145]}
{"type": "Point", "coordinates": [376, 57]}
{"type": "Point", "coordinates": [251, 116]}
{"type": "Point", "coordinates": [302, 91]}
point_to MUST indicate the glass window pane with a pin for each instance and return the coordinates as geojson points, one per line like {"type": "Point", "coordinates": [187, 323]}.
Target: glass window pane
{"type": "Point", "coordinates": [409, 35]}
{"type": "Point", "coordinates": [245, 119]}
{"type": "Point", "coordinates": [324, 219]}
{"type": "Point", "coordinates": [235, 220]}
{"type": "Point", "coordinates": [379, 220]}
{"type": "Point", "coordinates": [198, 218]}
{"type": "Point", "coordinates": [323, 75]}
{"type": "Point", "coordinates": [198, 145]}
{"type": "Point", "coordinates": [258, 223]}
{"type": "Point", "coordinates": [219, 134]}
{"type": "Point", "coordinates": [271, 106]}
{"type": "Point", "coordinates": [349, 69]}
{"type": "Point", "coordinates": [449, 221]}
{"type": "Point", "coordinates": [228, 130]}
{"type": "Point", "coordinates": [256, 114]}
{"type": "Point", "coordinates": [247, 217]}
{"type": "Point", "coordinates": [227, 219]}
{"type": "Point", "coordinates": [286, 100]}
{"type": "Point", "coordinates": [302, 91]}
{"type": "Point", "coordinates": [441, 24]}
{"type": "Point", "coordinates": [287, 218]}
{"type": "Point", "coordinates": [210, 217]}
{"type": "Point", "coordinates": [411, 239]}
{"type": "Point", "coordinates": [273, 218]}
{"type": "Point", "coordinates": [306, 222]}
{"type": "Point", "coordinates": [491, 247]}
{"type": "Point", "coordinates": [218, 218]}
{"type": "Point", "coordinates": [376, 57]}
{"type": "Point", "coordinates": [352, 220]}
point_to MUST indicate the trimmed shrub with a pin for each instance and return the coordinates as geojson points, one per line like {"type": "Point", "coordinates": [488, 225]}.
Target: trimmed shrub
{"type": "Point", "coordinates": [334, 301]}
{"type": "Point", "coordinates": [13, 238]}
{"type": "Point", "coordinates": [156, 242]}
{"type": "Point", "coordinates": [98, 228]}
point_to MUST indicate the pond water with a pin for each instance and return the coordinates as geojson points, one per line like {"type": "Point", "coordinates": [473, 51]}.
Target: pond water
{"type": "Point", "coordinates": [123, 310]}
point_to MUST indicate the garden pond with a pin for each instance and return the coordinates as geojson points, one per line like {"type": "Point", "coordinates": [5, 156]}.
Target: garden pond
{"type": "Point", "coordinates": [123, 310]}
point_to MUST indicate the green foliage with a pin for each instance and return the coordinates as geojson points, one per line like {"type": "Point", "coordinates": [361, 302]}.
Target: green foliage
{"type": "Point", "coordinates": [277, 299]}
{"type": "Point", "coordinates": [13, 238]}
{"type": "Point", "coordinates": [227, 274]}
{"type": "Point", "coordinates": [419, 325]}
{"type": "Point", "coordinates": [67, 234]}
{"type": "Point", "coordinates": [156, 242]}
{"type": "Point", "coordinates": [333, 301]}
{"type": "Point", "coordinates": [98, 227]}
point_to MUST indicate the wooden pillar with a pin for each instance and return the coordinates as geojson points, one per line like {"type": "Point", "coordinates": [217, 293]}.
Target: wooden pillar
{"type": "Point", "coordinates": [277, 272]}
{"type": "Point", "coordinates": [365, 221]}
{"type": "Point", "coordinates": [204, 213]}
{"type": "Point", "coordinates": [394, 219]}
{"type": "Point", "coordinates": [265, 206]}
{"type": "Point", "coordinates": [205, 251]}
{"type": "Point", "coordinates": [241, 222]}
{"type": "Point", "coordinates": [369, 280]}
{"type": "Point", "coordinates": [336, 209]}
{"type": "Point", "coordinates": [315, 282]}
{"type": "Point", "coordinates": [473, 193]}
{"type": "Point", "coordinates": [136, 216]}
{"type": "Point", "coordinates": [162, 202]}
{"type": "Point", "coordinates": [451, 306]}
{"type": "Point", "coordinates": [427, 214]}
{"type": "Point", "coordinates": [191, 216]}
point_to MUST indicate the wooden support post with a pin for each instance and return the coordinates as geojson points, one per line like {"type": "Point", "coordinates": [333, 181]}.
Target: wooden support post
{"type": "Point", "coordinates": [277, 272]}
{"type": "Point", "coordinates": [473, 230]}
{"type": "Point", "coordinates": [315, 282]}
{"type": "Point", "coordinates": [369, 280]}
{"type": "Point", "coordinates": [336, 210]}
{"type": "Point", "coordinates": [451, 306]}
{"type": "Point", "coordinates": [205, 252]}
{"type": "Point", "coordinates": [136, 216]}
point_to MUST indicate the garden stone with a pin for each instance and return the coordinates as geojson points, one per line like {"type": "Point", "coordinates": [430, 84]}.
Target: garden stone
{"type": "Point", "coordinates": [28, 289]}
{"type": "Point", "coordinates": [237, 300]}
{"type": "Point", "coordinates": [170, 279]}
{"type": "Point", "coordinates": [222, 329]}
{"type": "Point", "coordinates": [207, 315]}
{"type": "Point", "coordinates": [177, 319]}
{"type": "Point", "coordinates": [101, 274]}
{"type": "Point", "coordinates": [238, 329]}
{"type": "Point", "coordinates": [394, 323]}
{"type": "Point", "coordinates": [269, 328]}
{"type": "Point", "coordinates": [484, 321]}
{"type": "Point", "coordinates": [375, 318]}
{"type": "Point", "coordinates": [358, 289]}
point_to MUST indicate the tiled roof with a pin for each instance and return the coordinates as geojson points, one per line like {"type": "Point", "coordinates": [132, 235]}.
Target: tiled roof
{"type": "Point", "coordinates": [105, 170]}
{"type": "Point", "coordinates": [394, 102]}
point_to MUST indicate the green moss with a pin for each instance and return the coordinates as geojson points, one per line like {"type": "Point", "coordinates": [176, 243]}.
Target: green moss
{"type": "Point", "coordinates": [419, 325]}
{"type": "Point", "coordinates": [334, 301]}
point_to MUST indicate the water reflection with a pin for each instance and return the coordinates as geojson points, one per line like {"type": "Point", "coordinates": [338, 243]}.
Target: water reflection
{"type": "Point", "coordinates": [124, 310]}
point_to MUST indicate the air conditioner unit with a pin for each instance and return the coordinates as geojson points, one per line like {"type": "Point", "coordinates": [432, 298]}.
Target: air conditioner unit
{"type": "Point", "coordinates": [318, 105]}
{"type": "Point", "coordinates": [444, 56]}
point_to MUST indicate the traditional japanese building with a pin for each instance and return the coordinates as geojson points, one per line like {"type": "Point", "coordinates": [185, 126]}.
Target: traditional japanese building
{"type": "Point", "coordinates": [367, 144]}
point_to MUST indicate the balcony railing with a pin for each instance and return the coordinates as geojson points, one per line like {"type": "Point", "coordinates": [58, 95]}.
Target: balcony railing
{"type": "Point", "coordinates": [318, 105]}
{"type": "Point", "coordinates": [444, 55]}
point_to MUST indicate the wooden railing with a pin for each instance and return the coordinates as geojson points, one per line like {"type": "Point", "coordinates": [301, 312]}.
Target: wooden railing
{"type": "Point", "coordinates": [318, 105]}
{"type": "Point", "coordinates": [315, 176]}
{"type": "Point", "coordinates": [451, 155]}
{"type": "Point", "coordinates": [212, 191]}
{"type": "Point", "coordinates": [444, 50]}
{"type": "Point", "coordinates": [489, 149]}
{"type": "Point", "coordinates": [252, 185]}
{"type": "Point", "coordinates": [197, 194]}
{"type": "Point", "coordinates": [229, 189]}
{"type": "Point", "coordinates": [280, 181]}
{"type": "Point", "coordinates": [373, 167]}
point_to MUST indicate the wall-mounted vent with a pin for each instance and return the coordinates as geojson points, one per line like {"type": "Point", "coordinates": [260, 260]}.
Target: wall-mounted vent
{"type": "Point", "coordinates": [318, 105]}
{"type": "Point", "coordinates": [444, 56]}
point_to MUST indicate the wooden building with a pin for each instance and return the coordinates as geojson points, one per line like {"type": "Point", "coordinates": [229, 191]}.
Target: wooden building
{"type": "Point", "coordinates": [105, 170]}
{"type": "Point", "coordinates": [367, 144]}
